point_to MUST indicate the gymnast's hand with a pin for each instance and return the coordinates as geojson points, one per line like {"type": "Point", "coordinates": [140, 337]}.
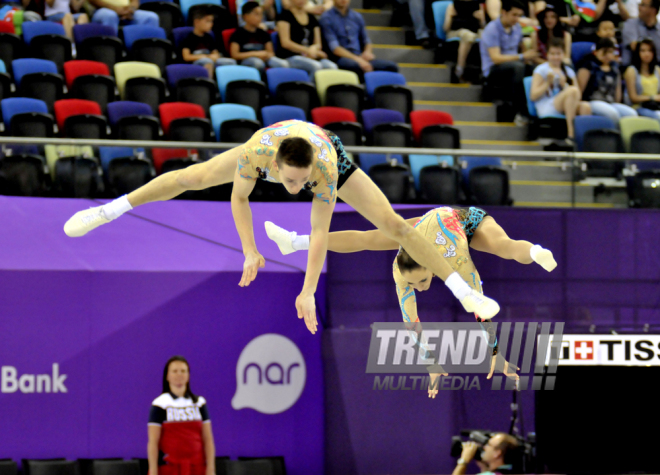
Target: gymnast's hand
{"type": "Point", "coordinates": [434, 383]}
{"type": "Point", "coordinates": [253, 261]}
{"type": "Point", "coordinates": [508, 369]}
{"type": "Point", "coordinates": [306, 307]}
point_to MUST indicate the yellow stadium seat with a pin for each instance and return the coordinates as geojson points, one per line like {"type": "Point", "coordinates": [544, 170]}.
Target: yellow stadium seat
{"type": "Point", "coordinates": [632, 125]}
{"type": "Point", "coordinates": [134, 69]}
{"type": "Point", "coordinates": [329, 77]}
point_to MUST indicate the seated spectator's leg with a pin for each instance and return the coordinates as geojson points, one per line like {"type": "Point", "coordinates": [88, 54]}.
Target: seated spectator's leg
{"type": "Point", "coordinates": [567, 103]}
{"type": "Point", "coordinates": [144, 17]}
{"type": "Point", "coordinates": [276, 62]}
{"type": "Point", "coordinates": [31, 16]}
{"type": "Point", "coordinates": [306, 64]}
{"type": "Point", "coordinates": [644, 112]}
{"type": "Point", "coordinates": [67, 23]}
{"type": "Point", "coordinates": [327, 64]}
{"type": "Point", "coordinates": [509, 77]}
{"type": "Point", "coordinates": [604, 109]}
{"type": "Point", "coordinates": [107, 17]}
{"type": "Point", "coordinates": [384, 65]}
{"type": "Point", "coordinates": [254, 63]}
{"type": "Point", "coordinates": [350, 65]}
{"type": "Point", "coordinates": [208, 65]}
{"type": "Point", "coordinates": [467, 39]}
{"type": "Point", "coordinates": [80, 18]}
{"type": "Point", "coordinates": [584, 108]}
{"type": "Point", "coordinates": [225, 62]}
{"type": "Point", "coordinates": [624, 110]}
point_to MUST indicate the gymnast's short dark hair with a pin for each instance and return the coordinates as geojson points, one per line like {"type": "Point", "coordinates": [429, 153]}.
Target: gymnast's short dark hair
{"type": "Point", "coordinates": [295, 152]}
{"type": "Point", "coordinates": [405, 262]}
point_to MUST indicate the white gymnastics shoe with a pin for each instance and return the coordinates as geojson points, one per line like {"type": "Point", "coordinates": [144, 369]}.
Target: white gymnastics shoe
{"type": "Point", "coordinates": [282, 237]}
{"type": "Point", "coordinates": [483, 306]}
{"type": "Point", "coordinates": [84, 221]}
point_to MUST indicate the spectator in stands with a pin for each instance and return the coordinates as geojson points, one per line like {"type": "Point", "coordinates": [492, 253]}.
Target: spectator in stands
{"type": "Point", "coordinates": [417, 10]}
{"type": "Point", "coordinates": [464, 19]}
{"type": "Point", "coordinates": [606, 29]}
{"type": "Point", "coordinates": [251, 45]}
{"type": "Point", "coordinates": [600, 82]}
{"type": "Point", "coordinates": [33, 10]}
{"type": "Point", "coordinates": [125, 12]}
{"type": "Point", "coordinates": [646, 26]}
{"type": "Point", "coordinates": [269, 13]}
{"type": "Point", "coordinates": [65, 12]}
{"type": "Point", "coordinates": [346, 34]}
{"type": "Point", "coordinates": [555, 91]}
{"type": "Point", "coordinates": [180, 435]}
{"type": "Point", "coordinates": [300, 39]}
{"type": "Point", "coordinates": [496, 454]}
{"type": "Point", "coordinates": [501, 60]}
{"type": "Point", "coordinates": [551, 28]}
{"type": "Point", "coordinates": [528, 18]}
{"type": "Point", "coordinates": [589, 14]}
{"type": "Point", "coordinates": [313, 7]}
{"type": "Point", "coordinates": [199, 47]}
{"type": "Point", "coordinates": [643, 80]}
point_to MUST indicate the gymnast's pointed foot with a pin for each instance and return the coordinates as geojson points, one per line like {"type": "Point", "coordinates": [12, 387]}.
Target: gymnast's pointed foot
{"type": "Point", "coordinates": [543, 257]}
{"type": "Point", "coordinates": [287, 241]}
{"type": "Point", "coordinates": [483, 306]}
{"type": "Point", "coordinates": [84, 221]}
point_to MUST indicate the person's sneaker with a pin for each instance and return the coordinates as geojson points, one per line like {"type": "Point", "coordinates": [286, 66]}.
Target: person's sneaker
{"type": "Point", "coordinates": [84, 221]}
{"type": "Point", "coordinates": [545, 259]}
{"type": "Point", "coordinates": [520, 120]}
{"type": "Point", "coordinates": [481, 305]}
{"type": "Point", "coordinates": [282, 237]}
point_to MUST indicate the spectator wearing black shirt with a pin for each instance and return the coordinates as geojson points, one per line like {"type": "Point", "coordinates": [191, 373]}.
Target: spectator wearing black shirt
{"type": "Point", "coordinates": [464, 19]}
{"type": "Point", "coordinates": [251, 45]}
{"type": "Point", "coordinates": [300, 39]}
{"type": "Point", "coordinates": [199, 47]}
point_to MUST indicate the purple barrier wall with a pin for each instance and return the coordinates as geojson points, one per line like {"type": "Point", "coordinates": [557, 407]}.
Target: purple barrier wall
{"type": "Point", "coordinates": [608, 275]}
{"type": "Point", "coordinates": [111, 307]}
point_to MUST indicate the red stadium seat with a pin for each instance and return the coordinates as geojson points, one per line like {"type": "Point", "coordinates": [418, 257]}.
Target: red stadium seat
{"type": "Point", "coordinates": [226, 35]}
{"type": "Point", "coordinates": [66, 108]}
{"type": "Point", "coordinates": [76, 68]}
{"type": "Point", "coordinates": [421, 119]}
{"type": "Point", "coordinates": [161, 155]}
{"type": "Point", "coordinates": [178, 110]}
{"type": "Point", "coordinates": [7, 27]}
{"type": "Point", "coordinates": [325, 115]}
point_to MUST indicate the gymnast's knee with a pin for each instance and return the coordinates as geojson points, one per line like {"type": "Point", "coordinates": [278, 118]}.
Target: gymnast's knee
{"type": "Point", "coordinates": [187, 178]}
{"type": "Point", "coordinates": [397, 227]}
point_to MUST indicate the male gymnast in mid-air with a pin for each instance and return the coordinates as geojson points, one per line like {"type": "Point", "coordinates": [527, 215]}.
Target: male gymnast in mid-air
{"type": "Point", "coordinates": [451, 231]}
{"type": "Point", "coordinates": [298, 155]}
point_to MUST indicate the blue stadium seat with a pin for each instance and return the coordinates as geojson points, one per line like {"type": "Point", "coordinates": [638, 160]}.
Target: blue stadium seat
{"type": "Point", "coordinates": [579, 50]}
{"type": "Point", "coordinates": [376, 79]}
{"type": "Point", "coordinates": [275, 38]}
{"type": "Point", "coordinates": [187, 4]}
{"type": "Point", "coordinates": [132, 33]}
{"type": "Point", "coordinates": [224, 112]}
{"type": "Point", "coordinates": [277, 76]}
{"type": "Point", "coordinates": [226, 74]}
{"type": "Point", "coordinates": [585, 123]}
{"type": "Point", "coordinates": [91, 30]}
{"type": "Point", "coordinates": [530, 104]}
{"type": "Point", "coordinates": [468, 163]}
{"type": "Point", "coordinates": [3, 68]}
{"type": "Point", "coordinates": [274, 114]}
{"type": "Point", "coordinates": [368, 160]}
{"type": "Point", "coordinates": [439, 12]}
{"type": "Point", "coordinates": [417, 162]}
{"type": "Point", "coordinates": [176, 72]}
{"type": "Point", "coordinates": [23, 67]}
{"type": "Point", "coordinates": [373, 117]}
{"type": "Point", "coordinates": [21, 105]}
{"type": "Point", "coordinates": [108, 154]}
{"type": "Point", "coordinates": [36, 28]}
{"type": "Point", "coordinates": [179, 34]}
{"type": "Point", "coordinates": [120, 109]}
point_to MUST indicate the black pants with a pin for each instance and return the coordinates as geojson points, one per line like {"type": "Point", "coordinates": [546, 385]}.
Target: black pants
{"type": "Point", "coordinates": [506, 82]}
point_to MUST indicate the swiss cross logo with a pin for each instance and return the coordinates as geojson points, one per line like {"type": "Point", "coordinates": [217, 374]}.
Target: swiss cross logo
{"type": "Point", "coordinates": [584, 350]}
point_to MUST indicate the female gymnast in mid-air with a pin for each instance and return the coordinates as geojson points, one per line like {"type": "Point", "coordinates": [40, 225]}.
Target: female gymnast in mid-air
{"type": "Point", "coordinates": [452, 231]}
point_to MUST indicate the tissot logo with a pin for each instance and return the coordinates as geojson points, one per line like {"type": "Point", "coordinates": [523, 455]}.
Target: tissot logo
{"type": "Point", "coordinates": [11, 381]}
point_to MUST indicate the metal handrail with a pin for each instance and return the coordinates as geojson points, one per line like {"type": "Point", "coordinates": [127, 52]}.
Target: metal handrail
{"type": "Point", "coordinates": [569, 156]}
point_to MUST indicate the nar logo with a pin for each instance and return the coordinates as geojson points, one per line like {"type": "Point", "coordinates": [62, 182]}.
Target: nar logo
{"type": "Point", "coordinates": [32, 383]}
{"type": "Point", "coordinates": [584, 350]}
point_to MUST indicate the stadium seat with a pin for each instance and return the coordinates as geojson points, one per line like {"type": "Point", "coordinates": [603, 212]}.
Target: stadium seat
{"type": "Point", "coordinates": [226, 36]}
{"type": "Point", "coordinates": [440, 136]}
{"type": "Point", "coordinates": [369, 160]}
{"type": "Point", "coordinates": [644, 189]}
{"type": "Point", "coordinates": [169, 14]}
{"type": "Point", "coordinates": [11, 48]}
{"type": "Point", "coordinates": [21, 175]}
{"type": "Point", "coordinates": [247, 92]}
{"type": "Point", "coordinates": [224, 112]}
{"type": "Point", "coordinates": [325, 115]}
{"type": "Point", "coordinates": [584, 123]}
{"type": "Point", "coordinates": [179, 34]}
{"type": "Point", "coordinates": [597, 134]}
{"type": "Point", "coordinates": [168, 159]}
{"type": "Point", "coordinates": [106, 155]}
{"type": "Point", "coordinates": [373, 117]}
{"type": "Point", "coordinates": [273, 114]}
{"type": "Point", "coordinates": [468, 163]}
{"type": "Point", "coordinates": [39, 79]}
{"type": "Point", "coordinates": [116, 467]}
{"type": "Point", "coordinates": [489, 186]}
{"type": "Point", "coordinates": [298, 94]}
{"type": "Point", "coordinates": [551, 126]}
{"type": "Point", "coordinates": [386, 90]}
{"type": "Point", "coordinates": [277, 76]}
{"type": "Point", "coordinates": [148, 44]}
{"type": "Point", "coordinates": [439, 185]}
{"type": "Point", "coordinates": [191, 83]}
{"type": "Point", "coordinates": [5, 82]}
{"type": "Point", "coordinates": [418, 162]}
{"type": "Point", "coordinates": [226, 74]}
{"type": "Point", "coordinates": [277, 463]}
{"type": "Point", "coordinates": [350, 133]}
{"type": "Point", "coordinates": [391, 135]}
{"type": "Point", "coordinates": [182, 121]}
{"type": "Point", "coordinates": [348, 96]}
{"type": "Point", "coordinates": [74, 177]}
{"type": "Point", "coordinates": [579, 50]}
{"type": "Point", "coordinates": [128, 174]}
{"type": "Point", "coordinates": [238, 130]}
{"type": "Point", "coordinates": [90, 80]}
{"type": "Point", "coordinates": [632, 125]}
{"type": "Point", "coordinates": [647, 141]}
{"type": "Point", "coordinates": [97, 42]}
{"type": "Point", "coordinates": [330, 77]}
{"type": "Point", "coordinates": [393, 181]}
{"type": "Point", "coordinates": [81, 119]}
{"type": "Point", "coordinates": [47, 40]}
{"type": "Point", "coordinates": [25, 117]}
{"type": "Point", "coordinates": [375, 79]}
{"type": "Point", "coordinates": [133, 121]}
{"type": "Point", "coordinates": [142, 82]}
{"type": "Point", "coordinates": [7, 27]}
{"type": "Point", "coordinates": [439, 13]}
{"type": "Point", "coordinates": [423, 118]}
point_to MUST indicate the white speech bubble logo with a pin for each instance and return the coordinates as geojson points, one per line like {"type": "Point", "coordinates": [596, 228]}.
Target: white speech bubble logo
{"type": "Point", "coordinates": [270, 375]}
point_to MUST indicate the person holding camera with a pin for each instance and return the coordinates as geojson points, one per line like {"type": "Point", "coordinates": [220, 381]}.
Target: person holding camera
{"type": "Point", "coordinates": [493, 454]}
